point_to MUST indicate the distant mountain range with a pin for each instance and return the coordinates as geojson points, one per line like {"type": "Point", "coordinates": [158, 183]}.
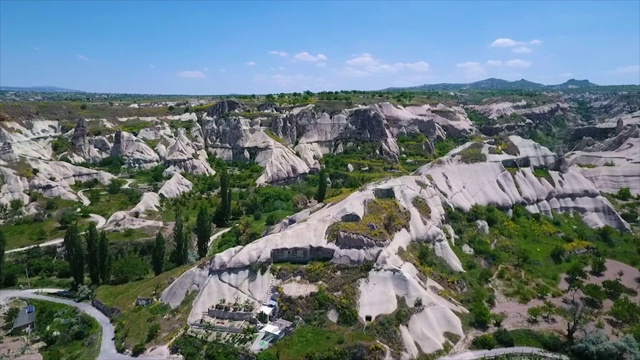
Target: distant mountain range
{"type": "Point", "coordinates": [499, 84]}
{"type": "Point", "coordinates": [37, 89]}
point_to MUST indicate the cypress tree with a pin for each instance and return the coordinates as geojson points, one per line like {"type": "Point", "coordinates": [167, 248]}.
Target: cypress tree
{"type": "Point", "coordinates": [74, 254]}
{"type": "Point", "coordinates": [157, 256]}
{"type": "Point", "coordinates": [92, 238]}
{"type": "Point", "coordinates": [180, 252]}
{"type": "Point", "coordinates": [223, 212]}
{"type": "Point", "coordinates": [203, 231]}
{"type": "Point", "coordinates": [322, 186]}
{"type": "Point", "coordinates": [3, 244]}
{"type": "Point", "coordinates": [104, 259]}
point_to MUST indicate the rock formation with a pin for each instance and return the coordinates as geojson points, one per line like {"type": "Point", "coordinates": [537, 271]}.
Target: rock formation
{"type": "Point", "coordinates": [135, 152]}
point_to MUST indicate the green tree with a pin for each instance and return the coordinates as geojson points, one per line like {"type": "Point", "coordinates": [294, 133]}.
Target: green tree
{"type": "Point", "coordinates": [594, 294]}
{"type": "Point", "coordinates": [129, 268]}
{"type": "Point", "coordinates": [504, 338]}
{"type": "Point", "coordinates": [597, 346]}
{"type": "Point", "coordinates": [598, 266]}
{"type": "Point", "coordinates": [625, 311]}
{"type": "Point", "coordinates": [480, 315]}
{"type": "Point", "coordinates": [3, 244]}
{"type": "Point", "coordinates": [157, 254]}
{"type": "Point", "coordinates": [534, 313]}
{"type": "Point", "coordinates": [613, 288]}
{"type": "Point", "coordinates": [576, 316]}
{"type": "Point", "coordinates": [74, 254]}
{"type": "Point", "coordinates": [557, 254]}
{"type": "Point", "coordinates": [203, 231]}
{"type": "Point", "coordinates": [92, 239]}
{"type": "Point", "coordinates": [180, 252]}
{"type": "Point", "coordinates": [548, 309]}
{"type": "Point", "coordinates": [624, 194]}
{"type": "Point", "coordinates": [223, 212]}
{"type": "Point", "coordinates": [114, 186]}
{"type": "Point", "coordinates": [486, 341]}
{"type": "Point", "coordinates": [322, 186]}
{"type": "Point", "coordinates": [104, 258]}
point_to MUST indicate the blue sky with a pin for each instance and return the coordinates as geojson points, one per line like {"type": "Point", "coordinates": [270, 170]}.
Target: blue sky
{"type": "Point", "coordinates": [261, 47]}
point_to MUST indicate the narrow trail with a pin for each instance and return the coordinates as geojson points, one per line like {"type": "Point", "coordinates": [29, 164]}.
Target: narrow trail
{"type": "Point", "coordinates": [98, 219]}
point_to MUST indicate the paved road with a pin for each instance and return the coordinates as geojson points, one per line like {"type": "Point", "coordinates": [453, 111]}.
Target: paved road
{"type": "Point", "coordinates": [487, 354]}
{"type": "Point", "coordinates": [107, 346]}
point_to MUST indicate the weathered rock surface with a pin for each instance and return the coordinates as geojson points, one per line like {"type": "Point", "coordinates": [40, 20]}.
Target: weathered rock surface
{"type": "Point", "coordinates": [82, 146]}
{"type": "Point", "coordinates": [615, 162]}
{"type": "Point", "coordinates": [236, 139]}
{"type": "Point", "coordinates": [54, 178]}
{"type": "Point", "coordinates": [182, 156]}
{"type": "Point", "coordinates": [175, 186]}
{"type": "Point", "coordinates": [135, 152]}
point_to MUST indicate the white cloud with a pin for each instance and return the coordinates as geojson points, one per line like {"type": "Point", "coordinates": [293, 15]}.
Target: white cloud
{"type": "Point", "coordinates": [82, 57]}
{"type": "Point", "coordinates": [251, 63]}
{"type": "Point", "coordinates": [517, 46]}
{"type": "Point", "coordinates": [191, 74]}
{"type": "Point", "coordinates": [471, 68]}
{"type": "Point", "coordinates": [518, 63]}
{"type": "Point", "coordinates": [567, 74]}
{"type": "Point", "coordinates": [279, 68]}
{"type": "Point", "coordinates": [365, 64]}
{"type": "Point", "coordinates": [522, 50]}
{"type": "Point", "coordinates": [494, 62]}
{"type": "Point", "coordinates": [278, 52]}
{"type": "Point", "coordinates": [321, 64]}
{"type": "Point", "coordinates": [362, 60]}
{"type": "Point", "coordinates": [152, 66]}
{"type": "Point", "coordinates": [506, 42]}
{"type": "Point", "coordinates": [305, 56]}
{"type": "Point", "coordinates": [632, 69]}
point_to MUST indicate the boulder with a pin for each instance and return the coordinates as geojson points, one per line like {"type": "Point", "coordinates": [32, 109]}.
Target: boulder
{"type": "Point", "coordinates": [482, 226]}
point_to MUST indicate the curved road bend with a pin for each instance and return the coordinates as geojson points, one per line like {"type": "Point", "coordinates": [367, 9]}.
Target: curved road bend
{"type": "Point", "coordinates": [107, 346]}
{"type": "Point", "coordinates": [488, 354]}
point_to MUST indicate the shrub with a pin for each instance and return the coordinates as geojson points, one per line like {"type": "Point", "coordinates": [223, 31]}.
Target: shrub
{"type": "Point", "coordinates": [138, 349]}
{"type": "Point", "coordinates": [480, 315]}
{"type": "Point", "coordinates": [624, 194]}
{"type": "Point", "coordinates": [484, 342]}
{"type": "Point", "coordinates": [598, 266]}
{"type": "Point", "coordinates": [504, 338]}
{"type": "Point", "coordinates": [472, 154]}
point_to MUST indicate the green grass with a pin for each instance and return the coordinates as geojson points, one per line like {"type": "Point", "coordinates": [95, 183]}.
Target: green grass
{"type": "Point", "coordinates": [275, 137]}
{"type": "Point", "coordinates": [30, 232]}
{"type": "Point", "coordinates": [124, 296]}
{"type": "Point", "coordinates": [588, 166]}
{"type": "Point", "coordinates": [106, 204]}
{"type": "Point", "coordinates": [385, 214]}
{"type": "Point", "coordinates": [49, 316]}
{"type": "Point", "coordinates": [309, 340]}
{"type": "Point", "coordinates": [472, 154]}
{"type": "Point", "coordinates": [526, 242]}
{"type": "Point", "coordinates": [129, 234]}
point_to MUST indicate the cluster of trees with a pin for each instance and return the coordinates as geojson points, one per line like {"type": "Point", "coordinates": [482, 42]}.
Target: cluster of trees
{"type": "Point", "coordinates": [96, 257]}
